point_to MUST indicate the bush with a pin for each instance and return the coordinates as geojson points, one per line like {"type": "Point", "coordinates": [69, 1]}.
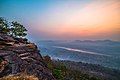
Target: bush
{"type": "Point", "coordinates": [58, 74]}
{"type": "Point", "coordinates": [4, 28]}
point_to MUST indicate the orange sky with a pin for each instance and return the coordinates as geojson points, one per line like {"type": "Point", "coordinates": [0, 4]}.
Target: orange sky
{"type": "Point", "coordinates": [68, 19]}
{"type": "Point", "coordinates": [96, 19]}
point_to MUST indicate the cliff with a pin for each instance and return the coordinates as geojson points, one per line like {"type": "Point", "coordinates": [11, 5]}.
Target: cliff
{"type": "Point", "coordinates": [19, 56]}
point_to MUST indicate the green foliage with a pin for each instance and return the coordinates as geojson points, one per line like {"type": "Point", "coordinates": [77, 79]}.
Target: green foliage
{"type": "Point", "coordinates": [18, 30]}
{"type": "Point", "coordinates": [4, 28]}
{"type": "Point", "coordinates": [61, 72]}
{"type": "Point", "coordinates": [58, 74]}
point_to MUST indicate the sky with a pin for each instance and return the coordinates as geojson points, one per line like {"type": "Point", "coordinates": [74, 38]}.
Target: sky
{"type": "Point", "coordinates": [65, 19]}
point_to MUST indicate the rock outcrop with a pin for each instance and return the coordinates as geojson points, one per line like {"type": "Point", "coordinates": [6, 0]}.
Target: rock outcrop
{"type": "Point", "coordinates": [18, 56]}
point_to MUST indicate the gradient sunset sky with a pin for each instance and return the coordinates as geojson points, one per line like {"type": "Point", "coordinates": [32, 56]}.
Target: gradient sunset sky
{"type": "Point", "coordinates": [65, 19]}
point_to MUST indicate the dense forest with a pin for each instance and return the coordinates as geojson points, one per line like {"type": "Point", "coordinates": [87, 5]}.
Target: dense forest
{"type": "Point", "coordinates": [70, 70]}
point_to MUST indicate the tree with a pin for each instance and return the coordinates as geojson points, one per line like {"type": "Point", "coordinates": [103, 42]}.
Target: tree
{"type": "Point", "coordinates": [4, 27]}
{"type": "Point", "coordinates": [18, 30]}
{"type": "Point", "coordinates": [15, 30]}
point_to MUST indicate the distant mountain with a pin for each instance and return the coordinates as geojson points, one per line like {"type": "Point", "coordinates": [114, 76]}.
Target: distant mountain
{"type": "Point", "coordinates": [93, 41]}
{"type": "Point", "coordinates": [103, 52]}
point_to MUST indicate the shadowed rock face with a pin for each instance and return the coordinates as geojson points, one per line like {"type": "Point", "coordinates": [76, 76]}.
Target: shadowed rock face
{"type": "Point", "coordinates": [21, 58]}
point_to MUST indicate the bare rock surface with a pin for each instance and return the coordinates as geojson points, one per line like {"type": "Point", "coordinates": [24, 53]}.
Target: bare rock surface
{"type": "Point", "coordinates": [17, 56]}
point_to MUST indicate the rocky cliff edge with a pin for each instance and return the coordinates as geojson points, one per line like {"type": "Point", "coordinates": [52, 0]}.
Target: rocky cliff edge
{"type": "Point", "coordinates": [17, 56]}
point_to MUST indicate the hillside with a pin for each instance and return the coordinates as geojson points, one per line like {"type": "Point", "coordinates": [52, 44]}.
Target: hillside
{"type": "Point", "coordinates": [18, 56]}
{"type": "Point", "coordinates": [70, 70]}
{"type": "Point", "coordinates": [98, 71]}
